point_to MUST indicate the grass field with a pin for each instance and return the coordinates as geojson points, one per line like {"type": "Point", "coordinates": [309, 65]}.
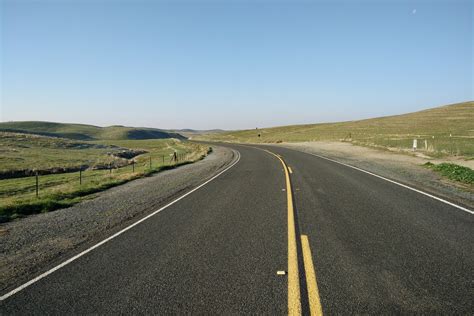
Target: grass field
{"type": "Point", "coordinates": [447, 130]}
{"type": "Point", "coordinates": [18, 195]}
{"type": "Point", "coordinates": [33, 152]}
{"type": "Point", "coordinates": [26, 153]}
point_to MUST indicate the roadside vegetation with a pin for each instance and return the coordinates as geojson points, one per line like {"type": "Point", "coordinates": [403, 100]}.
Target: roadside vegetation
{"type": "Point", "coordinates": [453, 172]}
{"type": "Point", "coordinates": [100, 165]}
{"type": "Point", "coordinates": [442, 131]}
{"type": "Point", "coordinates": [24, 154]}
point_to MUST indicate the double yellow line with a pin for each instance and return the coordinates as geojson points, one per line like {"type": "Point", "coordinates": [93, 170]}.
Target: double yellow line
{"type": "Point", "coordinates": [294, 292]}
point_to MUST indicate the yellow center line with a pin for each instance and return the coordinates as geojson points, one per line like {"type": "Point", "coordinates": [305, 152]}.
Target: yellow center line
{"type": "Point", "coordinates": [294, 296]}
{"type": "Point", "coordinates": [312, 286]}
{"type": "Point", "coordinates": [294, 293]}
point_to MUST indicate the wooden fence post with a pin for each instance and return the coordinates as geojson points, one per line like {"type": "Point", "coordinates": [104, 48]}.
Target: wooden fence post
{"type": "Point", "coordinates": [37, 185]}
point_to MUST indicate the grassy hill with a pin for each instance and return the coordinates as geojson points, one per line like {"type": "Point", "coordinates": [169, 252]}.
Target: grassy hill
{"type": "Point", "coordinates": [192, 133]}
{"type": "Point", "coordinates": [20, 154]}
{"type": "Point", "coordinates": [433, 125]}
{"type": "Point", "coordinates": [86, 132]}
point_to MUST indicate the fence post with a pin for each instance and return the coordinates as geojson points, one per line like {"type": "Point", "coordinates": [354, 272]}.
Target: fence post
{"type": "Point", "coordinates": [163, 159]}
{"type": "Point", "coordinates": [80, 176]}
{"type": "Point", "coordinates": [133, 165]}
{"type": "Point", "coordinates": [150, 161]}
{"type": "Point", "coordinates": [451, 142]}
{"type": "Point", "coordinates": [37, 184]}
{"type": "Point", "coordinates": [110, 168]}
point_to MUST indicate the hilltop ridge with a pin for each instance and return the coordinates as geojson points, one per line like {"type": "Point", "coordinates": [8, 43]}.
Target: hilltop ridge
{"type": "Point", "coordinates": [86, 132]}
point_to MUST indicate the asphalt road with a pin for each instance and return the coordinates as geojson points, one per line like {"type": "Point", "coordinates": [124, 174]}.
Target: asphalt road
{"type": "Point", "coordinates": [376, 248]}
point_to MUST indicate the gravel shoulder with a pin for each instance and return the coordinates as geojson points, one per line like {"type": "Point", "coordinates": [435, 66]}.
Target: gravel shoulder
{"type": "Point", "coordinates": [34, 244]}
{"type": "Point", "coordinates": [403, 168]}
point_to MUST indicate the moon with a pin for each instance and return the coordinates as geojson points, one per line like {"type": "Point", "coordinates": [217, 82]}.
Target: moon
{"type": "Point", "coordinates": [413, 12]}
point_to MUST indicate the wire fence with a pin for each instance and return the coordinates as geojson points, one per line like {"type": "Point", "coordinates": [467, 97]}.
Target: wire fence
{"type": "Point", "coordinates": [39, 184]}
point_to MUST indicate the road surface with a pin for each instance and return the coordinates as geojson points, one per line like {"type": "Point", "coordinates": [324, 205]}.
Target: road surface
{"type": "Point", "coordinates": [279, 232]}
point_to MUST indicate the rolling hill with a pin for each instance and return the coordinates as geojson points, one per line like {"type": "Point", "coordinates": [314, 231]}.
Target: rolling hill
{"type": "Point", "coordinates": [86, 132]}
{"type": "Point", "coordinates": [446, 129]}
{"type": "Point", "coordinates": [191, 133]}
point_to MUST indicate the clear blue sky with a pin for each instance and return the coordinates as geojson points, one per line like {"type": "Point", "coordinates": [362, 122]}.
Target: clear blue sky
{"type": "Point", "coordinates": [231, 64]}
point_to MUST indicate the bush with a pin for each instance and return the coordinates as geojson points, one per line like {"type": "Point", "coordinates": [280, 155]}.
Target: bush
{"type": "Point", "coordinates": [453, 172]}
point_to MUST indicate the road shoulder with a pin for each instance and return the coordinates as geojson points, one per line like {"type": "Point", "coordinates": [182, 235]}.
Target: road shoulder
{"type": "Point", "coordinates": [402, 168]}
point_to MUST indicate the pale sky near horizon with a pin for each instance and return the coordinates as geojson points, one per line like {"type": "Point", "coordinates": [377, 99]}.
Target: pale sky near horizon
{"type": "Point", "coordinates": [231, 64]}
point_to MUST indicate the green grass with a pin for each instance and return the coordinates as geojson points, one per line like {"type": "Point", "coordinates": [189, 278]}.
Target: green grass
{"type": "Point", "coordinates": [18, 195]}
{"type": "Point", "coordinates": [397, 132]}
{"type": "Point", "coordinates": [86, 132]}
{"type": "Point", "coordinates": [56, 194]}
{"type": "Point", "coordinates": [24, 153]}
{"type": "Point", "coordinates": [32, 152]}
{"type": "Point", "coordinates": [453, 172]}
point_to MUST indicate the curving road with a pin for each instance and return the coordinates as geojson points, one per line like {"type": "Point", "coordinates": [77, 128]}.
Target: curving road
{"type": "Point", "coordinates": [369, 246]}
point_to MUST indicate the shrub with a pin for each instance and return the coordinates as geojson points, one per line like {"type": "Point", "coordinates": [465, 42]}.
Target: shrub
{"type": "Point", "coordinates": [453, 172]}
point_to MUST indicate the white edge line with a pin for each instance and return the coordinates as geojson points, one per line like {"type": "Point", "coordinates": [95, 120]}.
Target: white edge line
{"type": "Point", "coordinates": [41, 276]}
{"type": "Point", "coordinates": [395, 182]}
